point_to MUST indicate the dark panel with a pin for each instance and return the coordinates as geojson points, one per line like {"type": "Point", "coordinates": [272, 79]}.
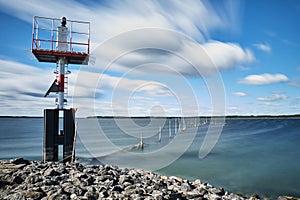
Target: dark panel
{"type": "Point", "coordinates": [69, 133]}
{"type": "Point", "coordinates": [50, 132]}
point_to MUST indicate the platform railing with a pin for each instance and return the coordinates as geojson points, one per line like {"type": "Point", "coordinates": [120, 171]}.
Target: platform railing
{"type": "Point", "coordinates": [44, 35]}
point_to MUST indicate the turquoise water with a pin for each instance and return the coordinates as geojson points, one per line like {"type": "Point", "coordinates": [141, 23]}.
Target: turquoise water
{"type": "Point", "coordinates": [251, 155]}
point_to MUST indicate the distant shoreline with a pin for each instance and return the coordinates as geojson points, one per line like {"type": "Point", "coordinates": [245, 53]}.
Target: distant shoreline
{"type": "Point", "coordinates": [146, 117]}
{"type": "Point", "coordinates": [229, 116]}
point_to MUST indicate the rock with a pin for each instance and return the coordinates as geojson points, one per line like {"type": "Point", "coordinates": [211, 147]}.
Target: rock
{"type": "Point", "coordinates": [130, 187]}
{"type": "Point", "coordinates": [34, 179]}
{"type": "Point", "coordinates": [103, 194]}
{"type": "Point", "coordinates": [81, 175]}
{"type": "Point", "coordinates": [254, 197]}
{"type": "Point", "coordinates": [50, 182]}
{"type": "Point", "coordinates": [51, 172]}
{"type": "Point", "coordinates": [76, 181]}
{"type": "Point", "coordinates": [15, 196]}
{"type": "Point", "coordinates": [164, 178]}
{"type": "Point", "coordinates": [137, 197]}
{"type": "Point", "coordinates": [232, 196]}
{"type": "Point", "coordinates": [287, 198]}
{"type": "Point", "coordinates": [117, 188]}
{"type": "Point", "coordinates": [91, 194]}
{"type": "Point", "coordinates": [176, 196]}
{"type": "Point", "coordinates": [18, 161]}
{"type": "Point", "coordinates": [73, 196]}
{"type": "Point", "coordinates": [141, 191]}
{"type": "Point", "coordinates": [124, 178]}
{"type": "Point", "coordinates": [185, 187]}
{"type": "Point", "coordinates": [156, 194]}
{"type": "Point", "coordinates": [197, 182]}
{"type": "Point", "coordinates": [56, 196]}
{"type": "Point", "coordinates": [180, 180]}
{"type": "Point", "coordinates": [34, 194]}
{"type": "Point", "coordinates": [3, 184]}
{"type": "Point", "coordinates": [212, 197]}
{"type": "Point", "coordinates": [217, 191]}
{"type": "Point", "coordinates": [193, 194]}
{"type": "Point", "coordinates": [203, 192]}
{"type": "Point", "coordinates": [17, 179]}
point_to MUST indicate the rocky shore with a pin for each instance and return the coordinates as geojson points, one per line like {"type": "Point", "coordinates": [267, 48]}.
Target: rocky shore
{"type": "Point", "coordinates": [22, 179]}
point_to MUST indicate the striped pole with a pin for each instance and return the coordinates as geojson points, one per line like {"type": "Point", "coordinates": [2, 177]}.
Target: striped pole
{"type": "Point", "coordinates": [61, 83]}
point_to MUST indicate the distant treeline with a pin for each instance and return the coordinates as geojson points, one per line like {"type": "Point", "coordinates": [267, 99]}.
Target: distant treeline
{"type": "Point", "coordinates": [169, 117]}
{"type": "Point", "coordinates": [205, 117]}
{"type": "Point", "coordinates": [21, 117]}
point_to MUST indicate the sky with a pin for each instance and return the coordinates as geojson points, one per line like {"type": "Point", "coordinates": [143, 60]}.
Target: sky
{"type": "Point", "coordinates": [160, 58]}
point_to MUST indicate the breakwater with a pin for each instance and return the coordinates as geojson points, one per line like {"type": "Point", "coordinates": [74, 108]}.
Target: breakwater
{"type": "Point", "coordinates": [23, 179]}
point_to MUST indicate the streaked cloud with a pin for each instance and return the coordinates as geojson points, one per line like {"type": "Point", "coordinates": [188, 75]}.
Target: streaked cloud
{"type": "Point", "coordinates": [194, 20]}
{"type": "Point", "coordinates": [239, 94]}
{"type": "Point", "coordinates": [263, 47]}
{"type": "Point", "coordinates": [274, 97]}
{"type": "Point", "coordinates": [227, 55]}
{"type": "Point", "coordinates": [23, 87]}
{"type": "Point", "coordinates": [168, 52]}
{"type": "Point", "coordinates": [232, 108]}
{"type": "Point", "coordinates": [295, 82]}
{"type": "Point", "coordinates": [271, 105]}
{"type": "Point", "coordinates": [264, 79]}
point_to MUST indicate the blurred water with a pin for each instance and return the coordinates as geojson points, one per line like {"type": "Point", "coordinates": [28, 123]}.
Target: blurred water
{"type": "Point", "coordinates": [251, 156]}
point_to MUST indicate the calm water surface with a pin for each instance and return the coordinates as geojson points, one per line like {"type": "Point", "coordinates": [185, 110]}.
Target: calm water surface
{"type": "Point", "coordinates": [251, 156]}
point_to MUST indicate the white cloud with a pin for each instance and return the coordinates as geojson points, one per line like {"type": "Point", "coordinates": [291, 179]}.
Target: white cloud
{"type": "Point", "coordinates": [232, 108]}
{"type": "Point", "coordinates": [155, 50]}
{"type": "Point", "coordinates": [274, 97]}
{"type": "Point", "coordinates": [226, 55]}
{"type": "Point", "coordinates": [263, 47]}
{"type": "Point", "coordinates": [239, 94]}
{"type": "Point", "coordinates": [263, 79]}
{"type": "Point", "coordinates": [154, 89]}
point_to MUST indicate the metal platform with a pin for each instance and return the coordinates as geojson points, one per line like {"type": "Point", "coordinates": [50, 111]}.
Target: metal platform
{"type": "Point", "coordinates": [42, 55]}
{"type": "Point", "coordinates": [47, 43]}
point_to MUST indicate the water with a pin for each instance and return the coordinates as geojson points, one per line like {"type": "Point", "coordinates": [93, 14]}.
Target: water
{"type": "Point", "coordinates": [251, 156]}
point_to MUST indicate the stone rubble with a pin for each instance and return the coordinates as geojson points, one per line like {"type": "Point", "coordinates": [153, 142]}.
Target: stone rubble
{"type": "Point", "coordinates": [21, 179]}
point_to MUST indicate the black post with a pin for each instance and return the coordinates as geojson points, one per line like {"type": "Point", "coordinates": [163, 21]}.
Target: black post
{"type": "Point", "coordinates": [53, 136]}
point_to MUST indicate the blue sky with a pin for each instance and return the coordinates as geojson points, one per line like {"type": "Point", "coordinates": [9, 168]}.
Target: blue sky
{"type": "Point", "coordinates": [166, 58]}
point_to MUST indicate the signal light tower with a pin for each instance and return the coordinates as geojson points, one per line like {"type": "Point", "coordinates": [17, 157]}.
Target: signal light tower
{"type": "Point", "coordinates": [54, 42]}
